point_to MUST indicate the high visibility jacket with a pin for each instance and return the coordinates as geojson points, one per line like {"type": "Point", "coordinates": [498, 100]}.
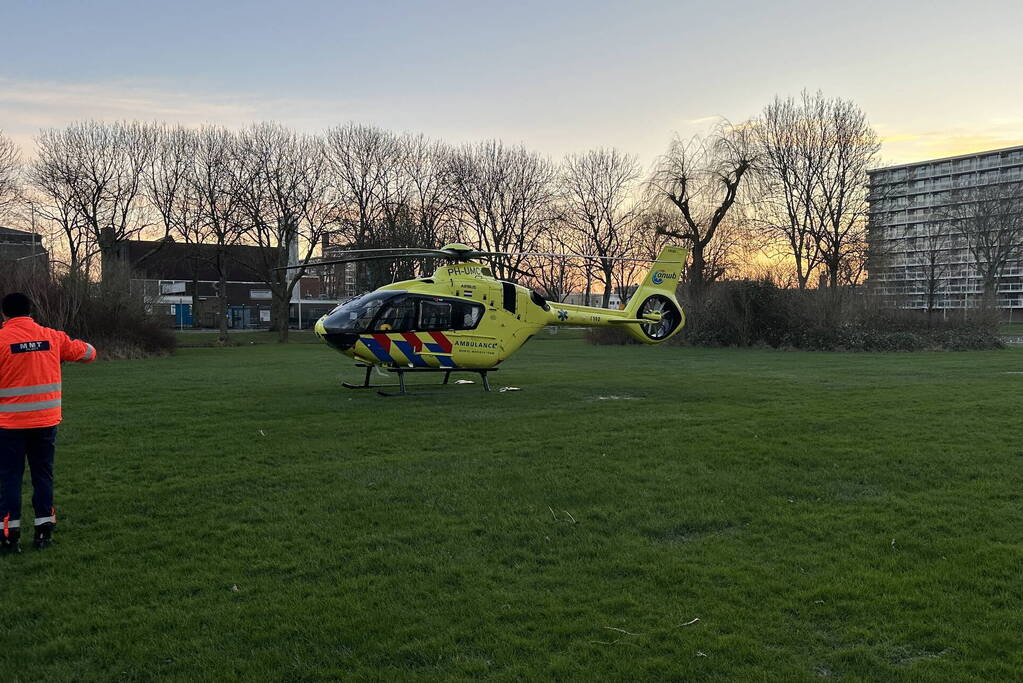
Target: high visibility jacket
{"type": "Point", "coordinates": [30, 357]}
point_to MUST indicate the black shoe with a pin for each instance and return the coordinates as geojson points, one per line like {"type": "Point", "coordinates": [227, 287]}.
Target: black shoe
{"type": "Point", "coordinates": [11, 543]}
{"type": "Point", "coordinates": [44, 535]}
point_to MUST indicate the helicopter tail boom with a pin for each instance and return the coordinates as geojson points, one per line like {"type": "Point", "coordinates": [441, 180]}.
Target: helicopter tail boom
{"type": "Point", "coordinates": [652, 315]}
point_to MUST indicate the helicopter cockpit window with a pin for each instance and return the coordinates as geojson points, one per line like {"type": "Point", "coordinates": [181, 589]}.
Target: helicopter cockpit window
{"type": "Point", "coordinates": [419, 313]}
{"type": "Point", "coordinates": [466, 316]}
{"type": "Point", "coordinates": [399, 316]}
{"type": "Point", "coordinates": [434, 315]}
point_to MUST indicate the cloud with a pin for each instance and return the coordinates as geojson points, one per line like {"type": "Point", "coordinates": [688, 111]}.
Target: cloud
{"type": "Point", "coordinates": [703, 121]}
{"type": "Point", "coordinates": [28, 107]}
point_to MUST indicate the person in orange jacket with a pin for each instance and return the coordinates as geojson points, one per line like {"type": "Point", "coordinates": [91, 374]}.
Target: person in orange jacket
{"type": "Point", "coordinates": [30, 358]}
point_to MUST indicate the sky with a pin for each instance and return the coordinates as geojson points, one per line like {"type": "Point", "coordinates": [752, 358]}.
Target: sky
{"type": "Point", "coordinates": [935, 78]}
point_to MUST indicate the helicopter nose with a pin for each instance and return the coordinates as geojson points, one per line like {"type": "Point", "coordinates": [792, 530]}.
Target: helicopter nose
{"type": "Point", "coordinates": [327, 325]}
{"type": "Point", "coordinates": [342, 341]}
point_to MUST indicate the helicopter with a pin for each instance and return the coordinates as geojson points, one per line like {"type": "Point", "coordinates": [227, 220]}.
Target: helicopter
{"type": "Point", "coordinates": [464, 319]}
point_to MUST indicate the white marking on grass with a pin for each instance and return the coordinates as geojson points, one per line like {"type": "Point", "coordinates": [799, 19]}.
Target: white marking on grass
{"type": "Point", "coordinates": [622, 630]}
{"type": "Point", "coordinates": [570, 519]}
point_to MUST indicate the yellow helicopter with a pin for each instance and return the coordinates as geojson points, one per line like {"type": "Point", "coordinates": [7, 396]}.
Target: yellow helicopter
{"type": "Point", "coordinates": [463, 319]}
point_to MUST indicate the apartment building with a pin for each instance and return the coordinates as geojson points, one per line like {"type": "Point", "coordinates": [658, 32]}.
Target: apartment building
{"type": "Point", "coordinates": [917, 255]}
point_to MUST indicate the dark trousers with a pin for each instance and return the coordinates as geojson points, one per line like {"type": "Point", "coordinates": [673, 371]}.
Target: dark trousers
{"type": "Point", "coordinates": [37, 445]}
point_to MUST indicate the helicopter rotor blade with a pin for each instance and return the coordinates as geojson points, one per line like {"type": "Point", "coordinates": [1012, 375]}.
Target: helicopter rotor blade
{"type": "Point", "coordinates": [517, 271]}
{"type": "Point", "coordinates": [433, 253]}
{"type": "Point", "coordinates": [580, 256]}
{"type": "Point", "coordinates": [451, 255]}
{"type": "Point", "coordinates": [393, 250]}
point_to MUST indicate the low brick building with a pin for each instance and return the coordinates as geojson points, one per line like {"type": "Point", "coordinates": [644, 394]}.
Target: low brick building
{"type": "Point", "coordinates": [21, 249]}
{"type": "Point", "coordinates": [169, 272]}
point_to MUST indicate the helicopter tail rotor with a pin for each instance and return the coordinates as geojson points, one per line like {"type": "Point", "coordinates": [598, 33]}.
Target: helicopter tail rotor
{"type": "Point", "coordinates": [655, 299]}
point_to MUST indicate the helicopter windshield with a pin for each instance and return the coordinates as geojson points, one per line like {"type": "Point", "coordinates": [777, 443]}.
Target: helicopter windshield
{"type": "Point", "coordinates": [357, 315]}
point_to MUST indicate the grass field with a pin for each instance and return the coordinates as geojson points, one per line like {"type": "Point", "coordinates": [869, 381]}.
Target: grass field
{"type": "Point", "coordinates": [231, 514]}
{"type": "Point", "coordinates": [207, 338]}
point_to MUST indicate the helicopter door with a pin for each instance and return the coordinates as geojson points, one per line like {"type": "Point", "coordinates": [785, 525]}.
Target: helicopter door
{"type": "Point", "coordinates": [509, 296]}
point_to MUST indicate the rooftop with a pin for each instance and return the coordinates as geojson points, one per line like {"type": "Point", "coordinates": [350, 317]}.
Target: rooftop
{"type": "Point", "coordinates": [11, 232]}
{"type": "Point", "coordinates": [958, 156]}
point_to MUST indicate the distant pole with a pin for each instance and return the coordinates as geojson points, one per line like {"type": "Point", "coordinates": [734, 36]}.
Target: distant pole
{"type": "Point", "coordinates": [32, 213]}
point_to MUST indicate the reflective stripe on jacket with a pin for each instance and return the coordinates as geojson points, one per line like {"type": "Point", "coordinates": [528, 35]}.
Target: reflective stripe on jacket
{"type": "Point", "coordinates": [30, 357]}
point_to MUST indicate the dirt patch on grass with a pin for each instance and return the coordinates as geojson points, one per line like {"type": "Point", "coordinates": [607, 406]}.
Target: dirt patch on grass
{"type": "Point", "coordinates": [690, 532]}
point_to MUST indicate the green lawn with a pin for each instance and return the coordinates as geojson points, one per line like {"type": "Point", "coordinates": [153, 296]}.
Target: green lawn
{"type": "Point", "coordinates": [232, 514]}
{"type": "Point", "coordinates": [208, 338]}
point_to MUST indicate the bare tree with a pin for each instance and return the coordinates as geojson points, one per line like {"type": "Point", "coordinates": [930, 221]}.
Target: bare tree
{"type": "Point", "coordinates": [554, 277]}
{"type": "Point", "coordinates": [701, 180]}
{"type": "Point", "coordinates": [853, 268]}
{"type": "Point", "coordinates": [10, 170]}
{"type": "Point", "coordinates": [428, 192]}
{"type": "Point", "coordinates": [392, 192]}
{"type": "Point", "coordinates": [285, 197]}
{"type": "Point", "coordinates": [792, 149]}
{"type": "Point", "coordinates": [598, 189]}
{"type": "Point", "coordinates": [990, 220]}
{"type": "Point", "coordinates": [365, 171]}
{"type": "Point", "coordinates": [505, 198]}
{"type": "Point", "coordinates": [165, 183]}
{"type": "Point", "coordinates": [213, 185]}
{"type": "Point", "coordinates": [51, 199]}
{"type": "Point", "coordinates": [642, 241]}
{"type": "Point", "coordinates": [99, 168]}
{"type": "Point", "coordinates": [164, 178]}
{"type": "Point", "coordinates": [851, 149]}
{"type": "Point", "coordinates": [933, 257]}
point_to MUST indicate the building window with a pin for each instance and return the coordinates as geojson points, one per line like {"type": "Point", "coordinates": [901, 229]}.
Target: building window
{"type": "Point", "coordinates": [172, 287]}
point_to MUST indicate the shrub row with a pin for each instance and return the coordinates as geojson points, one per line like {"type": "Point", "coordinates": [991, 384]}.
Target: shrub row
{"type": "Point", "coordinates": [759, 313]}
{"type": "Point", "coordinates": [110, 317]}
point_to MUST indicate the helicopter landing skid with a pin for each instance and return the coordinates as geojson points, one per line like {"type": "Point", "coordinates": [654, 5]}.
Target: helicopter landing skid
{"type": "Point", "coordinates": [401, 377]}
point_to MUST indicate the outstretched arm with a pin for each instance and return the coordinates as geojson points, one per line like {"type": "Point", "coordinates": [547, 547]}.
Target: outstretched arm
{"type": "Point", "coordinates": [76, 350]}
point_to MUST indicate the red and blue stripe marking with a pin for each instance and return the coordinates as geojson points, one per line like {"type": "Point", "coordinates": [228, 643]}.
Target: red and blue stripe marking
{"type": "Point", "coordinates": [410, 345]}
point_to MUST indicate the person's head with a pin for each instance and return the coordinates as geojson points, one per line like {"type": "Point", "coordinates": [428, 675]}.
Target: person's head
{"type": "Point", "coordinates": [16, 304]}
